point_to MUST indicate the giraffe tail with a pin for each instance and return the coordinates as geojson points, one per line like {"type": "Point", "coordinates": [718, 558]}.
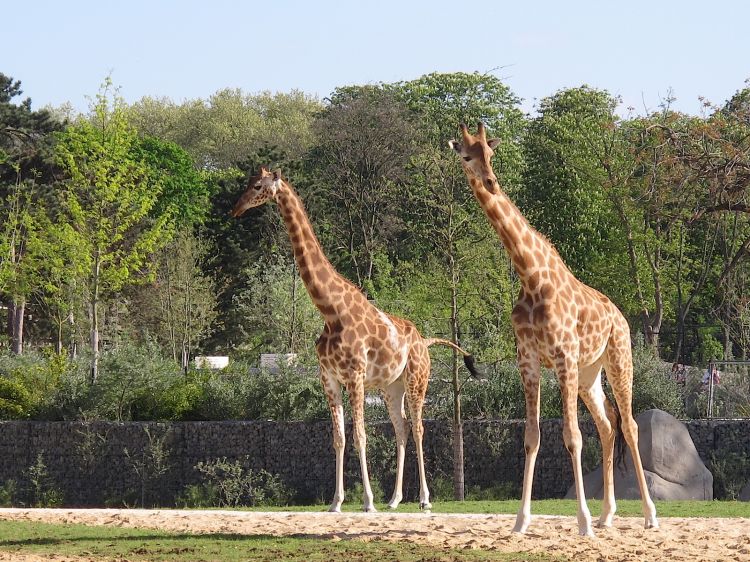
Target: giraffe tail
{"type": "Point", "coordinates": [468, 357]}
{"type": "Point", "coordinates": [619, 438]}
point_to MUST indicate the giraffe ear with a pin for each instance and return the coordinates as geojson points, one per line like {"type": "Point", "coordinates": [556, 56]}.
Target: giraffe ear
{"type": "Point", "coordinates": [492, 143]}
{"type": "Point", "coordinates": [455, 145]}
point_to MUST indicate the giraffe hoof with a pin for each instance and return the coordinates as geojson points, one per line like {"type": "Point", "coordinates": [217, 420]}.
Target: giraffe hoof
{"type": "Point", "coordinates": [425, 506]}
{"type": "Point", "coordinates": [369, 509]}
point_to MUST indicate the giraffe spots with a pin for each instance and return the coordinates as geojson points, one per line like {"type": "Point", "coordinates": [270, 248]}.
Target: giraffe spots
{"type": "Point", "coordinates": [324, 274]}
{"type": "Point", "coordinates": [356, 309]}
{"type": "Point", "coordinates": [540, 314]}
{"type": "Point", "coordinates": [519, 259]}
{"type": "Point", "coordinates": [327, 309]}
{"type": "Point", "coordinates": [546, 291]}
{"type": "Point", "coordinates": [493, 213]}
{"type": "Point", "coordinates": [533, 281]}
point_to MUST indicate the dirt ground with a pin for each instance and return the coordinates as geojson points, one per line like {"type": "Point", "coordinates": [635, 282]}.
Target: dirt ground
{"type": "Point", "coordinates": [678, 539]}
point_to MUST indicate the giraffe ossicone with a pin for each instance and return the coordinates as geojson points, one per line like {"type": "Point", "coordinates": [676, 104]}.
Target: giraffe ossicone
{"type": "Point", "coordinates": [361, 347]}
{"type": "Point", "coordinates": [562, 323]}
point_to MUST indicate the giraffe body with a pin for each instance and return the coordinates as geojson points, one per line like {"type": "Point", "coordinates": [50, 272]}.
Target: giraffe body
{"type": "Point", "coordinates": [360, 348]}
{"type": "Point", "coordinates": [563, 324]}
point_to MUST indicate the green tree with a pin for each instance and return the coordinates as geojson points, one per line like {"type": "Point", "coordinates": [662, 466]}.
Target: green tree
{"type": "Point", "coordinates": [179, 307]}
{"type": "Point", "coordinates": [447, 222]}
{"type": "Point", "coordinates": [364, 141]}
{"type": "Point", "coordinates": [277, 312]}
{"type": "Point", "coordinates": [108, 206]}
{"type": "Point", "coordinates": [566, 148]}
{"type": "Point", "coordinates": [231, 125]}
{"type": "Point", "coordinates": [25, 176]}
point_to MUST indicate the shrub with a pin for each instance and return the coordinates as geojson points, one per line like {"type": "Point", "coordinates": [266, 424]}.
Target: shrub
{"type": "Point", "coordinates": [8, 493]}
{"type": "Point", "coordinates": [15, 400]}
{"type": "Point", "coordinates": [653, 385]}
{"type": "Point", "coordinates": [230, 484]}
{"type": "Point", "coordinates": [42, 491]}
{"type": "Point", "coordinates": [731, 472]}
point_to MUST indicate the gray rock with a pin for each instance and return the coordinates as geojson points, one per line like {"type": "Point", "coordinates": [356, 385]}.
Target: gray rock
{"type": "Point", "coordinates": [745, 493]}
{"type": "Point", "coordinates": [672, 467]}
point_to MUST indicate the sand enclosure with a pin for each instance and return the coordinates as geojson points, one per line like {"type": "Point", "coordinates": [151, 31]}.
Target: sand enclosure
{"type": "Point", "coordinates": [689, 539]}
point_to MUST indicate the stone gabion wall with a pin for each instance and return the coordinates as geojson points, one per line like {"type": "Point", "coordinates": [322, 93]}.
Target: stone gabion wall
{"type": "Point", "coordinates": [99, 463]}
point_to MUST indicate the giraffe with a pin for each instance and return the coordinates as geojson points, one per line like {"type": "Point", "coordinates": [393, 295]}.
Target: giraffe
{"type": "Point", "coordinates": [564, 324]}
{"type": "Point", "coordinates": [360, 348]}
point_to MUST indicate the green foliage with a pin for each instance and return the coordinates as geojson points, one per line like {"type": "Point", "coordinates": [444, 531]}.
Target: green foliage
{"type": "Point", "coordinates": [183, 191]}
{"type": "Point", "coordinates": [9, 493]}
{"type": "Point", "coordinates": [276, 310]}
{"type": "Point", "coordinates": [708, 349]}
{"type": "Point", "coordinates": [230, 484]}
{"type": "Point", "coordinates": [564, 194]}
{"type": "Point", "coordinates": [498, 492]}
{"type": "Point", "coordinates": [15, 400]}
{"type": "Point", "coordinates": [653, 384]}
{"type": "Point", "coordinates": [42, 491]}
{"type": "Point", "coordinates": [731, 472]}
{"type": "Point", "coordinates": [151, 462]}
{"type": "Point", "coordinates": [132, 382]}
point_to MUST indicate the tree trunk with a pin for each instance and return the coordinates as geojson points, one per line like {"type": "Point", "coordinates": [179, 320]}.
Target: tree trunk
{"type": "Point", "coordinates": [19, 308]}
{"type": "Point", "coordinates": [9, 320]}
{"type": "Point", "coordinates": [95, 323]}
{"type": "Point", "coordinates": [458, 433]}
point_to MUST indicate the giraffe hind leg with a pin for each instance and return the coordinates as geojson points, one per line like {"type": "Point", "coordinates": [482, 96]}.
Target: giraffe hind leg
{"type": "Point", "coordinates": [417, 375]}
{"type": "Point", "coordinates": [619, 368]}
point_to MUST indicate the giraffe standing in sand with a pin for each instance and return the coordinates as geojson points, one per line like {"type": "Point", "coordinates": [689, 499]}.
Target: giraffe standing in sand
{"type": "Point", "coordinates": [360, 348]}
{"type": "Point", "coordinates": [564, 324]}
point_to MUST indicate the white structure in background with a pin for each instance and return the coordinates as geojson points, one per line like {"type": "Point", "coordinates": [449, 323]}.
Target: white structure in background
{"type": "Point", "coordinates": [272, 362]}
{"type": "Point", "coordinates": [211, 361]}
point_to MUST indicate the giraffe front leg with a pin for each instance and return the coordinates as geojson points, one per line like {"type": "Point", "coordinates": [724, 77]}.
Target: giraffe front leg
{"type": "Point", "coordinates": [567, 374]}
{"type": "Point", "coordinates": [530, 375]}
{"type": "Point", "coordinates": [356, 390]}
{"type": "Point", "coordinates": [394, 400]}
{"type": "Point", "coordinates": [333, 394]}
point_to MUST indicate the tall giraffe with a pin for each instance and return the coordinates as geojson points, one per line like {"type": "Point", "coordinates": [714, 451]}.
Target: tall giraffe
{"type": "Point", "coordinates": [565, 324]}
{"type": "Point", "coordinates": [360, 348]}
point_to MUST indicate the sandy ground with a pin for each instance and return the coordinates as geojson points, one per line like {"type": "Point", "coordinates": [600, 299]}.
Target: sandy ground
{"type": "Point", "coordinates": [678, 539]}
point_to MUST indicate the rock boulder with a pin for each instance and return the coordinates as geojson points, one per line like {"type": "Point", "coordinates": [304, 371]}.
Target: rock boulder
{"type": "Point", "coordinates": [673, 469]}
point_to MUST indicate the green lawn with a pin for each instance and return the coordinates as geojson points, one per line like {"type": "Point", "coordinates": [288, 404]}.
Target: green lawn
{"type": "Point", "coordinates": [625, 508]}
{"type": "Point", "coordinates": [110, 543]}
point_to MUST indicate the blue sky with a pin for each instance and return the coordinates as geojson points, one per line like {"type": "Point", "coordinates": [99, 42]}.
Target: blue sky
{"type": "Point", "coordinates": [62, 51]}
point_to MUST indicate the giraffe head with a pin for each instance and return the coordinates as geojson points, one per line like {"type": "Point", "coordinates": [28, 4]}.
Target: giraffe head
{"type": "Point", "coordinates": [260, 188]}
{"type": "Point", "coordinates": [476, 155]}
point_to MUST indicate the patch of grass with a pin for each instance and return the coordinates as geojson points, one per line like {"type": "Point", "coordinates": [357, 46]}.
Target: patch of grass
{"type": "Point", "coordinates": [141, 544]}
{"type": "Point", "coordinates": [625, 508]}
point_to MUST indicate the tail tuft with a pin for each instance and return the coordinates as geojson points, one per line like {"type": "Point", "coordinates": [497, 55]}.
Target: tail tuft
{"type": "Point", "coordinates": [619, 440]}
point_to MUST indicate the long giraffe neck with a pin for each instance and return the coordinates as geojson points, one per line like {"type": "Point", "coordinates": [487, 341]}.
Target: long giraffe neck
{"type": "Point", "coordinates": [528, 249]}
{"type": "Point", "coordinates": [324, 284]}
